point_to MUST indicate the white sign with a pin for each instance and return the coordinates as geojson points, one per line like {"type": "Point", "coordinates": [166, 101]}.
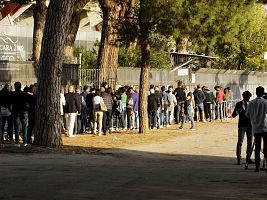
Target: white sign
{"type": "Point", "coordinates": [265, 55]}
{"type": "Point", "coordinates": [182, 72]}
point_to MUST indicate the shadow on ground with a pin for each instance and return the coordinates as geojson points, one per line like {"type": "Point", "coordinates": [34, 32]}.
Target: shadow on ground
{"type": "Point", "coordinates": [124, 174]}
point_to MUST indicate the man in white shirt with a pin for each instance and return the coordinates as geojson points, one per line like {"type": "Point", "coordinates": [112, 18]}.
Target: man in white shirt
{"type": "Point", "coordinates": [257, 113]}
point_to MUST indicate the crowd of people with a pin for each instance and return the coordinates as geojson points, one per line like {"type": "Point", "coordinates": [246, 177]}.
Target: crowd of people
{"type": "Point", "coordinates": [102, 111]}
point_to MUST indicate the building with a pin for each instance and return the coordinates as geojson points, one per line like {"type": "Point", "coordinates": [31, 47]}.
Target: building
{"type": "Point", "coordinates": [16, 29]}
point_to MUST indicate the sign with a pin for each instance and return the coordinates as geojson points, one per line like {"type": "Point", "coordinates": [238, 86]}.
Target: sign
{"type": "Point", "coordinates": [10, 49]}
{"type": "Point", "coordinates": [182, 72]}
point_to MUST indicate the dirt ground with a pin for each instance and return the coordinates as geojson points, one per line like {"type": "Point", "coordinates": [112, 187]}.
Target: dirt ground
{"type": "Point", "coordinates": [163, 164]}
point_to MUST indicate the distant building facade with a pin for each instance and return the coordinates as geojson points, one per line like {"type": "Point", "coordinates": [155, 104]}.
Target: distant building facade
{"type": "Point", "coordinates": [16, 30]}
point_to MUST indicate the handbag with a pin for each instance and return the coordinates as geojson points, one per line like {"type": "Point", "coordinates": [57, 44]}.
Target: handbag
{"type": "Point", "coordinates": [103, 107]}
{"type": "Point", "coordinates": [5, 112]}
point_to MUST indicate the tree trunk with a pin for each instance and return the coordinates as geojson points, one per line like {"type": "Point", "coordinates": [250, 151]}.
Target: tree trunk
{"type": "Point", "coordinates": [39, 23]}
{"type": "Point", "coordinates": [74, 27]}
{"type": "Point", "coordinates": [144, 79]}
{"type": "Point", "coordinates": [208, 52]}
{"type": "Point", "coordinates": [47, 126]}
{"type": "Point", "coordinates": [109, 46]}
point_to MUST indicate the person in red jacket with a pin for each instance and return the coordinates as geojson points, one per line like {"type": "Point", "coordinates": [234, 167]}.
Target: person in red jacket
{"type": "Point", "coordinates": [219, 102]}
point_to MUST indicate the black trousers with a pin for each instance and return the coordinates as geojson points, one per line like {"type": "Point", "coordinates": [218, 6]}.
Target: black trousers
{"type": "Point", "coordinates": [207, 110]}
{"type": "Point", "coordinates": [107, 120]}
{"type": "Point", "coordinates": [258, 137]}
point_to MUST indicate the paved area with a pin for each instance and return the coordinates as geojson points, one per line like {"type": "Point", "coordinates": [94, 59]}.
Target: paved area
{"type": "Point", "coordinates": [197, 166]}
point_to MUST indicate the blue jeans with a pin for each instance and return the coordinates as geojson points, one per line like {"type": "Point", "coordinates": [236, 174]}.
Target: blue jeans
{"type": "Point", "coordinates": [21, 118]}
{"type": "Point", "coordinates": [190, 117]}
{"type": "Point", "coordinates": [159, 116]}
{"type": "Point", "coordinates": [136, 119]}
{"type": "Point", "coordinates": [241, 134]}
{"type": "Point", "coordinates": [165, 115]}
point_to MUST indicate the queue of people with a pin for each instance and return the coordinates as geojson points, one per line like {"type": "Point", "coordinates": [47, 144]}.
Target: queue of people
{"type": "Point", "coordinates": [102, 111]}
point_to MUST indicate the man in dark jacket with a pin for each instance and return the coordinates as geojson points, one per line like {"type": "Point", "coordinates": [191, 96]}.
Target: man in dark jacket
{"type": "Point", "coordinates": [20, 106]}
{"type": "Point", "coordinates": [208, 102]}
{"type": "Point", "coordinates": [5, 101]}
{"type": "Point", "coordinates": [107, 116]}
{"type": "Point", "coordinates": [71, 109]}
{"type": "Point", "coordinates": [244, 127]}
{"type": "Point", "coordinates": [180, 95]}
{"type": "Point", "coordinates": [153, 105]}
{"type": "Point", "coordinates": [199, 98]}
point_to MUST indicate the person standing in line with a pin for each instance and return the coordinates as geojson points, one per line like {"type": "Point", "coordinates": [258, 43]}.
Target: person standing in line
{"type": "Point", "coordinates": [188, 112]}
{"type": "Point", "coordinates": [165, 106]}
{"type": "Point", "coordinates": [180, 95]}
{"type": "Point", "coordinates": [257, 113]}
{"type": "Point", "coordinates": [173, 103]}
{"type": "Point", "coordinates": [98, 114]}
{"type": "Point", "coordinates": [159, 111]}
{"type": "Point", "coordinates": [78, 120]}
{"type": "Point", "coordinates": [31, 112]}
{"type": "Point", "coordinates": [62, 104]}
{"type": "Point", "coordinates": [244, 127]}
{"type": "Point", "coordinates": [135, 97]}
{"type": "Point", "coordinates": [123, 98]}
{"type": "Point", "coordinates": [20, 106]}
{"type": "Point", "coordinates": [219, 102]}
{"type": "Point", "coordinates": [84, 111]}
{"type": "Point", "coordinates": [208, 103]}
{"type": "Point", "coordinates": [71, 109]}
{"type": "Point", "coordinates": [199, 98]}
{"type": "Point", "coordinates": [5, 101]}
{"type": "Point", "coordinates": [129, 107]}
{"type": "Point", "coordinates": [153, 104]}
{"type": "Point", "coordinates": [107, 116]}
{"type": "Point", "coordinates": [89, 105]}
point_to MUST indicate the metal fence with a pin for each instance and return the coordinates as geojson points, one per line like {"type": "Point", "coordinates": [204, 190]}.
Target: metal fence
{"type": "Point", "coordinates": [10, 72]}
{"type": "Point", "coordinates": [237, 80]}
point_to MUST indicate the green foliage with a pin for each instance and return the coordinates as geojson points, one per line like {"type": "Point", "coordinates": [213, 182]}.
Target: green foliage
{"type": "Point", "coordinates": [89, 57]}
{"type": "Point", "coordinates": [159, 58]}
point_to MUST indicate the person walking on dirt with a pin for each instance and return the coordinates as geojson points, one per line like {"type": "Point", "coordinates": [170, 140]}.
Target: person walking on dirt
{"type": "Point", "coordinates": [244, 127]}
{"type": "Point", "coordinates": [257, 113]}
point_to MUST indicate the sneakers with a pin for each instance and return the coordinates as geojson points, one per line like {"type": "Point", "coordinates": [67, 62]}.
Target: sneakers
{"type": "Point", "coordinates": [181, 128]}
{"type": "Point", "coordinates": [72, 136]}
{"type": "Point", "coordinates": [192, 129]}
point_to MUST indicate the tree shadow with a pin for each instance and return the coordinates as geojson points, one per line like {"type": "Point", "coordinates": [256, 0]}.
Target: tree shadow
{"type": "Point", "coordinates": [121, 173]}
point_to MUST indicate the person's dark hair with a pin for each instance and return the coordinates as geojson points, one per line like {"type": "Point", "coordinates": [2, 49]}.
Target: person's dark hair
{"type": "Point", "coordinates": [26, 89]}
{"type": "Point", "coordinates": [151, 86]}
{"type": "Point", "coordinates": [246, 94]}
{"type": "Point", "coordinates": [180, 83]}
{"type": "Point", "coordinates": [85, 87]}
{"type": "Point", "coordinates": [92, 89]}
{"type": "Point", "coordinates": [260, 91]}
{"type": "Point", "coordinates": [17, 85]}
{"type": "Point", "coordinates": [198, 87]}
{"type": "Point", "coordinates": [109, 90]}
{"type": "Point", "coordinates": [170, 87]}
{"type": "Point", "coordinates": [104, 84]}
{"type": "Point", "coordinates": [163, 88]}
{"type": "Point", "coordinates": [97, 92]}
